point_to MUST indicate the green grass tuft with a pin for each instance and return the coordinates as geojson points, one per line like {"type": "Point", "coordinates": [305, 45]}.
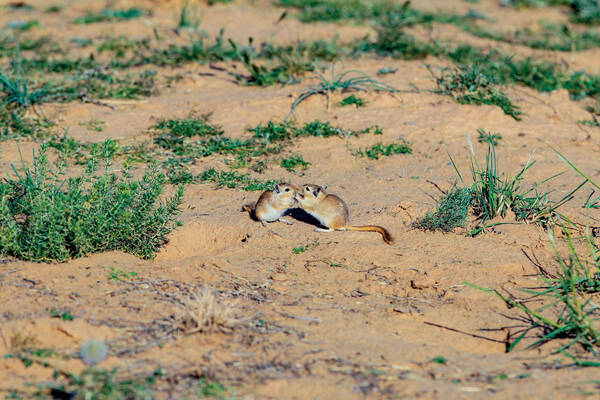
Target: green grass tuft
{"type": "Point", "coordinates": [452, 212]}
{"type": "Point", "coordinates": [294, 162]}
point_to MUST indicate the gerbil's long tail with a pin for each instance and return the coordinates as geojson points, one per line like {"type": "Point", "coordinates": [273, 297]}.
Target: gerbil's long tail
{"type": "Point", "coordinates": [373, 228]}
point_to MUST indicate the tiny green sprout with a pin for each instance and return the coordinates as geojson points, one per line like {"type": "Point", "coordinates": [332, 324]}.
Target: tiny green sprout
{"type": "Point", "coordinates": [440, 360]}
{"type": "Point", "coordinates": [300, 249]}
{"type": "Point", "coordinates": [64, 315]}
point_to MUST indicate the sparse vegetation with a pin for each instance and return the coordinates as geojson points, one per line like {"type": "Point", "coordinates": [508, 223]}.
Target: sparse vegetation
{"type": "Point", "coordinates": [293, 162]}
{"type": "Point", "coordinates": [348, 80]}
{"type": "Point", "coordinates": [111, 15]}
{"type": "Point", "coordinates": [470, 85]}
{"type": "Point", "coordinates": [378, 150]}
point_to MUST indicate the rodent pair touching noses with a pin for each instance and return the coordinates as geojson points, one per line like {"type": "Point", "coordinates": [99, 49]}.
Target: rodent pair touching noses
{"type": "Point", "coordinates": [328, 209]}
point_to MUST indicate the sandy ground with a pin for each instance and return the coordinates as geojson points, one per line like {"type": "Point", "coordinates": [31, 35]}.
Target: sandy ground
{"type": "Point", "coordinates": [350, 317]}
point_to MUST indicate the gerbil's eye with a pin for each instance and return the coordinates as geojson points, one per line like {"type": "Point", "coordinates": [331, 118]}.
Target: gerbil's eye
{"type": "Point", "coordinates": [287, 189]}
{"type": "Point", "coordinates": [307, 189]}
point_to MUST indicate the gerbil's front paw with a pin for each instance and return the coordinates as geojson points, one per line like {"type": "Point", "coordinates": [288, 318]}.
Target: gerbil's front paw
{"type": "Point", "coordinates": [264, 223]}
{"type": "Point", "coordinates": [285, 221]}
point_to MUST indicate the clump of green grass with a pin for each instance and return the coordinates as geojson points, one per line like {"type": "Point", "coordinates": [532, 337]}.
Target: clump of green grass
{"type": "Point", "coordinates": [345, 81]}
{"type": "Point", "coordinates": [494, 194]}
{"type": "Point", "coordinates": [293, 162]}
{"type": "Point", "coordinates": [111, 15]}
{"type": "Point", "coordinates": [233, 180]}
{"type": "Point", "coordinates": [352, 100]}
{"type": "Point", "coordinates": [45, 217]}
{"type": "Point", "coordinates": [452, 211]}
{"type": "Point", "coordinates": [470, 85]}
{"type": "Point", "coordinates": [16, 93]}
{"type": "Point", "coordinates": [292, 66]}
{"type": "Point", "coordinates": [391, 40]}
{"type": "Point", "coordinates": [189, 127]}
{"type": "Point", "coordinates": [378, 150]}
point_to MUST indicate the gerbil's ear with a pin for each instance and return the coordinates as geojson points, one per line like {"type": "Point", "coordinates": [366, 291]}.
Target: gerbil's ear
{"type": "Point", "coordinates": [324, 187]}
{"type": "Point", "coordinates": [277, 189]}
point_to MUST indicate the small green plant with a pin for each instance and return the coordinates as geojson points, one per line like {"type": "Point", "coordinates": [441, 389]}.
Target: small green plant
{"type": "Point", "coordinates": [110, 15]}
{"type": "Point", "coordinates": [299, 249]}
{"type": "Point", "coordinates": [64, 315]}
{"type": "Point", "coordinates": [470, 85]}
{"type": "Point", "coordinates": [487, 137]}
{"type": "Point", "coordinates": [352, 100]}
{"type": "Point", "coordinates": [452, 211]}
{"type": "Point", "coordinates": [45, 217]}
{"type": "Point", "coordinates": [378, 150]}
{"type": "Point", "coordinates": [348, 80]}
{"type": "Point", "coordinates": [120, 275]}
{"type": "Point", "coordinates": [55, 9]}
{"type": "Point", "coordinates": [294, 162]}
{"type": "Point", "coordinates": [291, 67]}
{"type": "Point", "coordinates": [193, 126]}
{"type": "Point", "coordinates": [188, 17]}
{"type": "Point", "coordinates": [94, 125]}
{"type": "Point", "coordinates": [440, 360]}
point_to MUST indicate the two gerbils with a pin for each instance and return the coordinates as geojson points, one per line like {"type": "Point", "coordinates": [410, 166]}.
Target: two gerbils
{"type": "Point", "coordinates": [328, 209]}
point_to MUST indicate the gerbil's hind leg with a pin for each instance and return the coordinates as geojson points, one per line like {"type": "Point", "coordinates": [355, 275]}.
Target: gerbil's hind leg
{"type": "Point", "coordinates": [324, 230]}
{"type": "Point", "coordinates": [285, 221]}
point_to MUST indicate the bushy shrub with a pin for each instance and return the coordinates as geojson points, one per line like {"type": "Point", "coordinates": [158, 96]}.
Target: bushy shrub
{"type": "Point", "coordinates": [44, 217]}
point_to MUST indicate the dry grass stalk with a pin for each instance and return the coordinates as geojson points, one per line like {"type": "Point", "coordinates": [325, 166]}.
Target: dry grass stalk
{"type": "Point", "coordinates": [205, 313]}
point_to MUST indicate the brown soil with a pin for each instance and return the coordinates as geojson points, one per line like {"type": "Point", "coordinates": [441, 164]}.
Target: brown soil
{"type": "Point", "coordinates": [350, 317]}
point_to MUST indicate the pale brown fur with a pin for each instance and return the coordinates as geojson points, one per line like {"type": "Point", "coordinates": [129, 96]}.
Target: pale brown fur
{"type": "Point", "coordinates": [272, 204]}
{"type": "Point", "coordinates": [332, 212]}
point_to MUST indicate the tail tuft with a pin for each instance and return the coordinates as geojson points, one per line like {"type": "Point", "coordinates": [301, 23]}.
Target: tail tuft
{"type": "Point", "coordinates": [374, 228]}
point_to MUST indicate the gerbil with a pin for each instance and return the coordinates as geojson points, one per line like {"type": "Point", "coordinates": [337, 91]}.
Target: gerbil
{"type": "Point", "coordinates": [272, 204]}
{"type": "Point", "coordinates": [332, 212]}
